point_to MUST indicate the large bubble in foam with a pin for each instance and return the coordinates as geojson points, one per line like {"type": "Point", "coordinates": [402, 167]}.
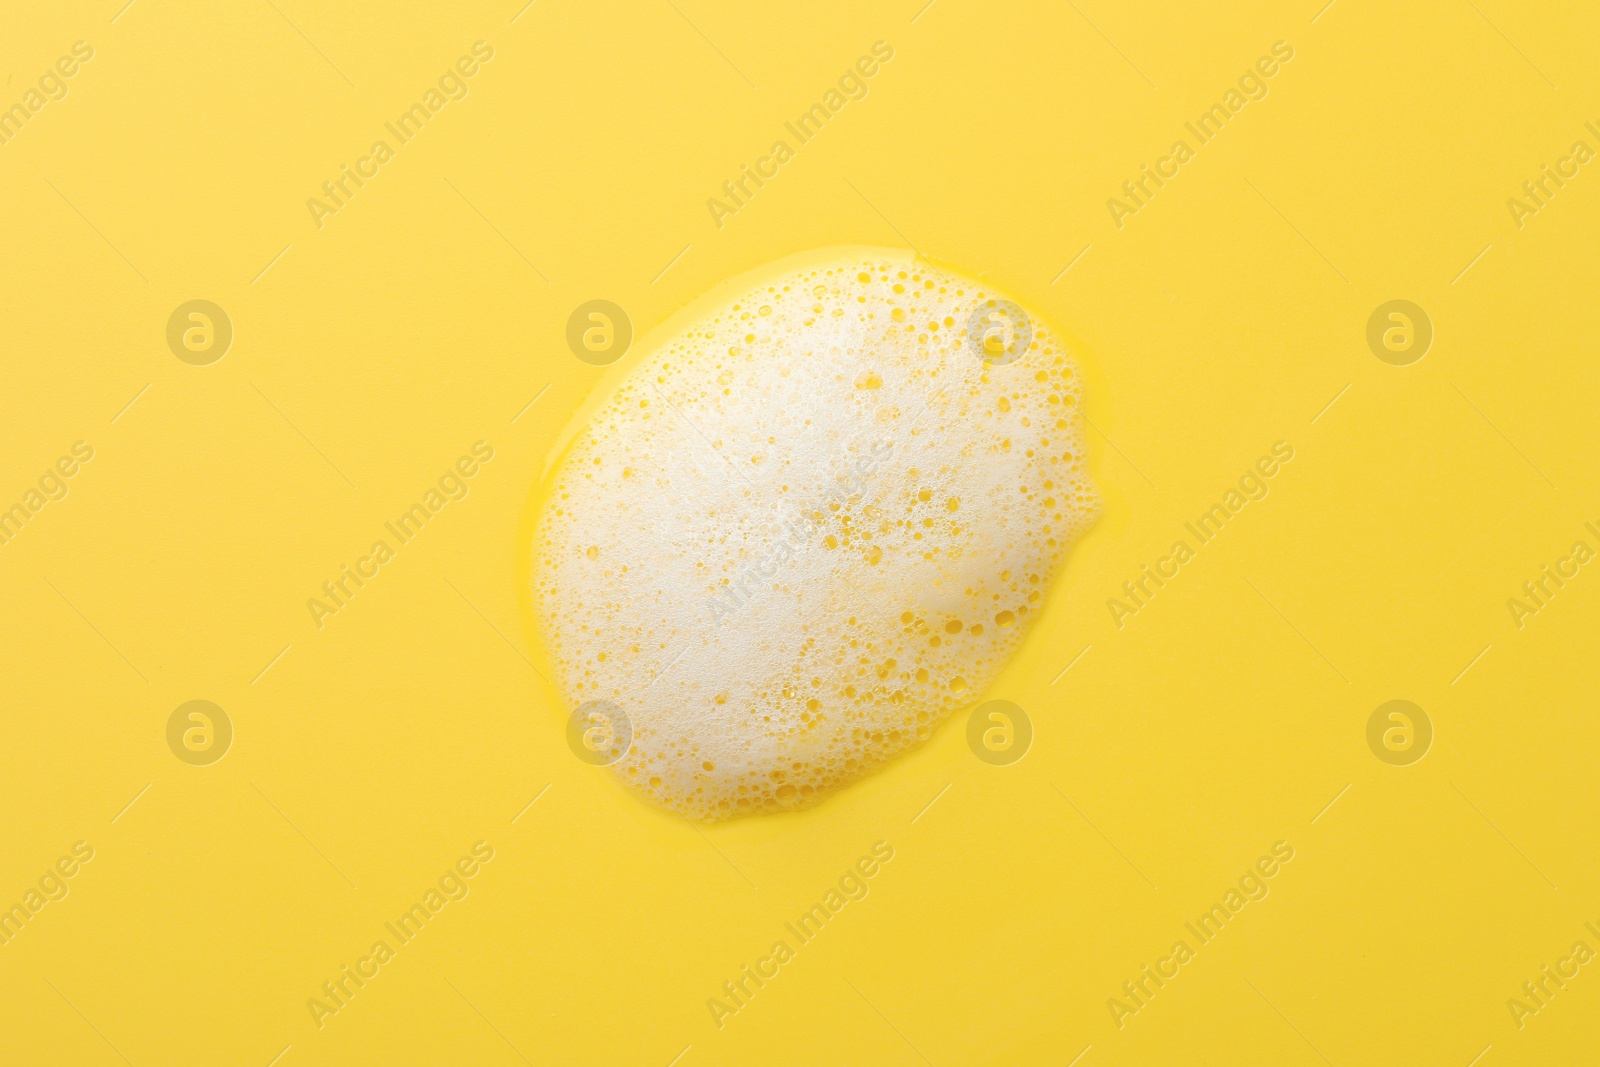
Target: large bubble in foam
{"type": "Point", "coordinates": [810, 526]}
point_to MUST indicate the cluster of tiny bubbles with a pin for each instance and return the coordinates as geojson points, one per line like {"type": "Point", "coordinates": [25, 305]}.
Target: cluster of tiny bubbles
{"type": "Point", "coordinates": [808, 528]}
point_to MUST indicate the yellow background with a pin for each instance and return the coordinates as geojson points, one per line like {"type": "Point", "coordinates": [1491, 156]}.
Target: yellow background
{"type": "Point", "coordinates": [371, 753]}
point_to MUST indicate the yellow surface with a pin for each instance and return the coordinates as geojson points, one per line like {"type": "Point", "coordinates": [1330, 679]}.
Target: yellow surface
{"type": "Point", "coordinates": [371, 754]}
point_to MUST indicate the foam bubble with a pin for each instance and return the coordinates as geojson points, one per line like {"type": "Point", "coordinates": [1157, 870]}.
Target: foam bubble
{"type": "Point", "coordinates": [809, 527]}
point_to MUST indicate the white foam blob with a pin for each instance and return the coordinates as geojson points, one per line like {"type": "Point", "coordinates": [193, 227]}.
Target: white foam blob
{"type": "Point", "coordinates": [806, 529]}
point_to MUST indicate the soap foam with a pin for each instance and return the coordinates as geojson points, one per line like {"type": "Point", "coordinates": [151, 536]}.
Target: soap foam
{"type": "Point", "coordinates": [807, 529]}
